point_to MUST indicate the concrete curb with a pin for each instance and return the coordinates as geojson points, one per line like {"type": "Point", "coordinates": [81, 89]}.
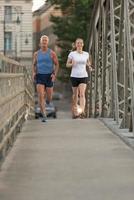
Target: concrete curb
{"type": "Point", "coordinates": [124, 134]}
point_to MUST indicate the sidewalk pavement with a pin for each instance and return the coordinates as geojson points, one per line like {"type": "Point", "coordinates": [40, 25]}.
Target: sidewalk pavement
{"type": "Point", "coordinates": [67, 159]}
{"type": "Point", "coordinates": [124, 134]}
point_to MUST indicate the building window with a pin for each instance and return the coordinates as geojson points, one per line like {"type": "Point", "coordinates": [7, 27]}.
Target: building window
{"type": "Point", "coordinates": [8, 14]}
{"type": "Point", "coordinates": [8, 41]}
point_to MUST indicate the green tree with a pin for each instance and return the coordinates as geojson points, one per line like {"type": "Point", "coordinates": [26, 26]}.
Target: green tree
{"type": "Point", "coordinates": [74, 23]}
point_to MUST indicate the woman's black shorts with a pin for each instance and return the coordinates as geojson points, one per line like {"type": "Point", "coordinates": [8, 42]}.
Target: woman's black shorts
{"type": "Point", "coordinates": [76, 81]}
{"type": "Point", "coordinates": [44, 79]}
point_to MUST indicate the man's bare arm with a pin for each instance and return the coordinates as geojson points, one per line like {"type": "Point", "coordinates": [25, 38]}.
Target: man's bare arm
{"type": "Point", "coordinates": [34, 65]}
{"type": "Point", "coordinates": [56, 63]}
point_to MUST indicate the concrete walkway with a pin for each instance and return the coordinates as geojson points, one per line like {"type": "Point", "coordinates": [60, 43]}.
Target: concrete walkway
{"type": "Point", "coordinates": [67, 159]}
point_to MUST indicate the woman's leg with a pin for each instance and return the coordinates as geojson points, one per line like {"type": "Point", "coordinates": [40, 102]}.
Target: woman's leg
{"type": "Point", "coordinates": [75, 101]}
{"type": "Point", "coordinates": [82, 90]}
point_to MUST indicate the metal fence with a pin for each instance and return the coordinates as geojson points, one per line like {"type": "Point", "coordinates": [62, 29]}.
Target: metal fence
{"type": "Point", "coordinates": [111, 92]}
{"type": "Point", "coordinates": [16, 101]}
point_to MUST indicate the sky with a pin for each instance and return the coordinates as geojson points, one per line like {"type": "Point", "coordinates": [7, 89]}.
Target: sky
{"type": "Point", "coordinates": [37, 4]}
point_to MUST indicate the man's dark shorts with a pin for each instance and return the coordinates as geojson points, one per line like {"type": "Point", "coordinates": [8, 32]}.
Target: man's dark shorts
{"type": "Point", "coordinates": [44, 79]}
{"type": "Point", "coordinates": [76, 81]}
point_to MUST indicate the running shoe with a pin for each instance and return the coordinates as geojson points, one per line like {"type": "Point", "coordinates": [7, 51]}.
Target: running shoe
{"type": "Point", "coordinates": [44, 117]}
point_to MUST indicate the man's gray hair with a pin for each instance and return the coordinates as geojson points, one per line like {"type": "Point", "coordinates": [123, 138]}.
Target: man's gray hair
{"type": "Point", "coordinates": [44, 36]}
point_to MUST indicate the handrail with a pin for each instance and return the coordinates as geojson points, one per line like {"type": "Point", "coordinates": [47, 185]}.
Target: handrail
{"type": "Point", "coordinates": [16, 101]}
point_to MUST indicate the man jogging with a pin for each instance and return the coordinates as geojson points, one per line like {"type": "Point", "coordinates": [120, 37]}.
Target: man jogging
{"type": "Point", "coordinates": [44, 71]}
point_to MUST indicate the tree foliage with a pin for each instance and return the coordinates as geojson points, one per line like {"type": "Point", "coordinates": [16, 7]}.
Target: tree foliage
{"type": "Point", "coordinates": [74, 23]}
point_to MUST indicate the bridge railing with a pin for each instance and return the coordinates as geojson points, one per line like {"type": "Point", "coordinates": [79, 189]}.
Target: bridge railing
{"type": "Point", "coordinates": [16, 101]}
{"type": "Point", "coordinates": [111, 92]}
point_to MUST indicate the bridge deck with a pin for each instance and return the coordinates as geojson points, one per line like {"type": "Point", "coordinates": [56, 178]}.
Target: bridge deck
{"type": "Point", "coordinates": [67, 159]}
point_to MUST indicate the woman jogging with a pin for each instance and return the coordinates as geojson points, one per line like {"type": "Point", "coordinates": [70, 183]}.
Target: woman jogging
{"type": "Point", "coordinates": [78, 60]}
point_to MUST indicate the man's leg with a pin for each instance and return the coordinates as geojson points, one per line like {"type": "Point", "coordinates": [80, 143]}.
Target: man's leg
{"type": "Point", "coordinates": [49, 94]}
{"type": "Point", "coordinates": [41, 97]}
{"type": "Point", "coordinates": [49, 89]}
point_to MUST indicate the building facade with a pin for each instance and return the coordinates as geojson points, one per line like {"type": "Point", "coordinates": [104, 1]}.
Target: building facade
{"type": "Point", "coordinates": [16, 35]}
{"type": "Point", "coordinates": [42, 25]}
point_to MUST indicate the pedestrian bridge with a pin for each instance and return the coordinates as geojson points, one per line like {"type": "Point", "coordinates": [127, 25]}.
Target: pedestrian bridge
{"type": "Point", "coordinates": [67, 159]}
{"type": "Point", "coordinates": [93, 161]}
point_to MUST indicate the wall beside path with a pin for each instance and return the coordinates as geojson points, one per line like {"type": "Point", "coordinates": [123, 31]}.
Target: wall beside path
{"type": "Point", "coordinates": [16, 101]}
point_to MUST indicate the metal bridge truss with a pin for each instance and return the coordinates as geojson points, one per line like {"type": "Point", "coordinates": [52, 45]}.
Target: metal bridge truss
{"type": "Point", "coordinates": [111, 88]}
